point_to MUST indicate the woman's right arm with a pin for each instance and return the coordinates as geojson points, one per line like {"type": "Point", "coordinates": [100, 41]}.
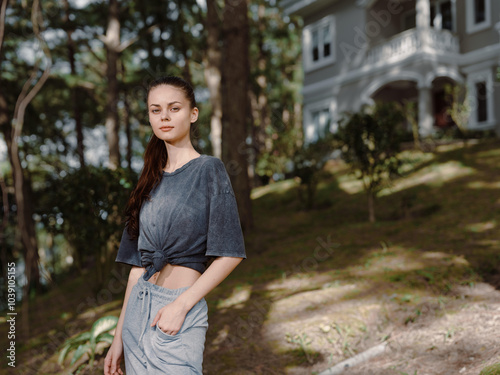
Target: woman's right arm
{"type": "Point", "coordinates": [115, 352]}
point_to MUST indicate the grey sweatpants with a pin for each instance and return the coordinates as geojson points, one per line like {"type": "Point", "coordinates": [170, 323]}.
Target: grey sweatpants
{"type": "Point", "coordinates": [148, 350]}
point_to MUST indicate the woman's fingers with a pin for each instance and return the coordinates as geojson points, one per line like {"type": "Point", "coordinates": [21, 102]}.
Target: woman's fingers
{"type": "Point", "coordinates": [111, 366]}
{"type": "Point", "coordinates": [157, 317]}
{"type": "Point", "coordinates": [107, 365]}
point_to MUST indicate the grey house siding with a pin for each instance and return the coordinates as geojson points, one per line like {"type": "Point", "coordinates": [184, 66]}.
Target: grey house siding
{"type": "Point", "coordinates": [480, 39]}
{"type": "Point", "coordinates": [346, 17]}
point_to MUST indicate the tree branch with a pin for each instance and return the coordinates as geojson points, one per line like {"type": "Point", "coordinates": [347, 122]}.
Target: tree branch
{"type": "Point", "coordinates": [27, 95]}
{"type": "Point", "coordinates": [131, 41]}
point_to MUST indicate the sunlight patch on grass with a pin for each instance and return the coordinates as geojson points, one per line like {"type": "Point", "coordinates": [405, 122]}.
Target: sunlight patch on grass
{"type": "Point", "coordinates": [289, 308]}
{"type": "Point", "coordinates": [452, 146]}
{"type": "Point", "coordinates": [492, 243]}
{"type": "Point", "coordinates": [350, 184]}
{"type": "Point", "coordinates": [489, 153]}
{"type": "Point", "coordinates": [483, 185]}
{"type": "Point", "coordinates": [481, 227]}
{"type": "Point", "coordinates": [434, 175]}
{"type": "Point", "coordinates": [240, 295]}
{"type": "Point", "coordinates": [412, 159]}
{"type": "Point", "coordinates": [278, 187]}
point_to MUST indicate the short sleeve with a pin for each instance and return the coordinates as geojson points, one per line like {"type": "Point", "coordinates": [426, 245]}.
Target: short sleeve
{"type": "Point", "coordinates": [224, 235]}
{"type": "Point", "coordinates": [128, 251]}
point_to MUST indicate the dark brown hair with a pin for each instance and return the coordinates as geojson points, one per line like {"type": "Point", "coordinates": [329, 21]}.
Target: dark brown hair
{"type": "Point", "coordinates": [155, 159]}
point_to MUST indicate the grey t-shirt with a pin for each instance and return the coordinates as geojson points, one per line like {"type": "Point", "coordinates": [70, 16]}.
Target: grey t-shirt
{"type": "Point", "coordinates": [192, 216]}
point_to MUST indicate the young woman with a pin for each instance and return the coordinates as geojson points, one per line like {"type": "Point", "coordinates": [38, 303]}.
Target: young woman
{"type": "Point", "coordinates": [181, 214]}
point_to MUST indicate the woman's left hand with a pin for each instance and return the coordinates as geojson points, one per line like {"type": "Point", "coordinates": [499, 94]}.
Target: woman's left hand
{"type": "Point", "coordinates": [170, 318]}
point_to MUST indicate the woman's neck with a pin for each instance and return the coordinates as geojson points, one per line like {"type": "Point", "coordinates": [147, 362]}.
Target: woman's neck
{"type": "Point", "coordinates": [178, 156]}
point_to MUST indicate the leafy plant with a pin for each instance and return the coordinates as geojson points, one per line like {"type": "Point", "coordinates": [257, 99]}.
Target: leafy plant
{"type": "Point", "coordinates": [369, 142]}
{"type": "Point", "coordinates": [411, 112]}
{"type": "Point", "coordinates": [86, 342]}
{"type": "Point", "coordinates": [303, 341]}
{"type": "Point", "coordinates": [308, 163]}
{"type": "Point", "coordinates": [460, 108]}
{"type": "Point", "coordinates": [491, 370]}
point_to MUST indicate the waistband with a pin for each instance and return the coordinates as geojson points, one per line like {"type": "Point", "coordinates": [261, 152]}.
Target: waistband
{"type": "Point", "coordinates": [159, 290]}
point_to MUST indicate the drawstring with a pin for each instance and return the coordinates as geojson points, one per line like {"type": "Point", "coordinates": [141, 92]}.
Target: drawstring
{"type": "Point", "coordinates": [145, 295]}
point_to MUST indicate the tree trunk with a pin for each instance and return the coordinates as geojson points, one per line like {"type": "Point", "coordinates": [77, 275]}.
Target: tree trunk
{"type": "Point", "coordinates": [3, 11]}
{"type": "Point", "coordinates": [297, 123]}
{"type": "Point", "coordinates": [128, 130]}
{"type": "Point", "coordinates": [235, 73]}
{"type": "Point", "coordinates": [213, 75]}
{"type": "Point", "coordinates": [75, 91]}
{"type": "Point", "coordinates": [264, 119]}
{"type": "Point", "coordinates": [184, 44]}
{"type": "Point", "coordinates": [371, 206]}
{"type": "Point", "coordinates": [22, 188]}
{"type": "Point", "coordinates": [112, 43]}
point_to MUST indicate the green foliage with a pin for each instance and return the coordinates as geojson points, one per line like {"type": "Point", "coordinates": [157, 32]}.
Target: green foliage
{"type": "Point", "coordinates": [369, 141]}
{"type": "Point", "coordinates": [303, 341]}
{"type": "Point", "coordinates": [275, 84]}
{"type": "Point", "coordinates": [460, 108]}
{"type": "Point", "coordinates": [86, 342]}
{"type": "Point", "coordinates": [86, 206]}
{"type": "Point", "coordinates": [411, 112]}
{"type": "Point", "coordinates": [491, 370]}
{"type": "Point", "coordinates": [308, 163]}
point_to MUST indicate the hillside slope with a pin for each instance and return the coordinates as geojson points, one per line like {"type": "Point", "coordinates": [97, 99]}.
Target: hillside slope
{"type": "Point", "coordinates": [320, 286]}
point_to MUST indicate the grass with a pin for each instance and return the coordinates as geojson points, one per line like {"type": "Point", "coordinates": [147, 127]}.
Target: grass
{"type": "Point", "coordinates": [322, 285]}
{"type": "Point", "coordinates": [491, 370]}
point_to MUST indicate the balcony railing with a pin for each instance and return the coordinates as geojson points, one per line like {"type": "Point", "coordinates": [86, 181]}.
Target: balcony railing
{"type": "Point", "coordinates": [411, 41]}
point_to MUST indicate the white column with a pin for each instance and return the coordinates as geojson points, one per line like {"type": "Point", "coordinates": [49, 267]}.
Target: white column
{"type": "Point", "coordinates": [423, 9]}
{"type": "Point", "coordinates": [425, 119]}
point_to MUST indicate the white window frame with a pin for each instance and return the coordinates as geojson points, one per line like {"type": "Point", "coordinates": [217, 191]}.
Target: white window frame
{"type": "Point", "coordinates": [325, 104]}
{"type": "Point", "coordinates": [486, 76]}
{"type": "Point", "coordinates": [309, 63]}
{"type": "Point", "coordinates": [437, 10]}
{"type": "Point", "coordinates": [473, 27]}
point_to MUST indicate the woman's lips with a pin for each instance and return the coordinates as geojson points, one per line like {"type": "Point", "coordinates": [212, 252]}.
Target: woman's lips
{"type": "Point", "coordinates": [166, 128]}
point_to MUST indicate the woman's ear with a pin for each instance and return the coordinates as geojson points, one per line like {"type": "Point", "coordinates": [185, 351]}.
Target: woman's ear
{"type": "Point", "coordinates": [194, 114]}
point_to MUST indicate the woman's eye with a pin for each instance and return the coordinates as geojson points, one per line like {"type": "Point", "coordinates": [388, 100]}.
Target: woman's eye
{"type": "Point", "coordinates": [175, 109]}
{"type": "Point", "coordinates": [155, 111]}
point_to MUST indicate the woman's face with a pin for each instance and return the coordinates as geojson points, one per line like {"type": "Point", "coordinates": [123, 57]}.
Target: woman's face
{"type": "Point", "coordinates": [170, 114]}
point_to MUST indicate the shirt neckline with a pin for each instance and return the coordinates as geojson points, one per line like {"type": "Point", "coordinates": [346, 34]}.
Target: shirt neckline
{"type": "Point", "coordinates": [182, 167]}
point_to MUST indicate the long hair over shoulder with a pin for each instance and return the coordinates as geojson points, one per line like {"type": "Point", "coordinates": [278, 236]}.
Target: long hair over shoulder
{"type": "Point", "coordinates": [155, 159]}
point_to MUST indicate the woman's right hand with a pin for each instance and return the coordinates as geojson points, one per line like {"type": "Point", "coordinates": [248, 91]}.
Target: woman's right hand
{"type": "Point", "coordinates": [114, 358]}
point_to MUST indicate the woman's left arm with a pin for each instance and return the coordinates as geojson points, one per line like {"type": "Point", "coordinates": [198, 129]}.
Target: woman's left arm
{"type": "Point", "coordinates": [175, 312]}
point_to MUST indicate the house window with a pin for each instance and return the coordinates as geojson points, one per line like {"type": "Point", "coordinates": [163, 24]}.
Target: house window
{"type": "Point", "coordinates": [319, 119]}
{"type": "Point", "coordinates": [322, 121]}
{"type": "Point", "coordinates": [478, 15]}
{"type": "Point", "coordinates": [442, 15]}
{"type": "Point", "coordinates": [317, 125]}
{"type": "Point", "coordinates": [479, 11]}
{"type": "Point", "coordinates": [481, 91]}
{"type": "Point", "coordinates": [319, 41]}
{"type": "Point", "coordinates": [482, 102]}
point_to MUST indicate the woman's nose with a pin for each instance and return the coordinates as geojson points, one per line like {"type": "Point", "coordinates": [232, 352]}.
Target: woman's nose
{"type": "Point", "coordinates": [165, 115]}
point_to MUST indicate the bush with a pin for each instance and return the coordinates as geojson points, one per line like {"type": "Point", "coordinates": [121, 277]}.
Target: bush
{"type": "Point", "coordinates": [369, 141]}
{"type": "Point", "coordinates": [308, 162]}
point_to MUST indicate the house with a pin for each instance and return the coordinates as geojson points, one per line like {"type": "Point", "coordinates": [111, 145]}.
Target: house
{"type": "Point", "coordinates": [356, 52]}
